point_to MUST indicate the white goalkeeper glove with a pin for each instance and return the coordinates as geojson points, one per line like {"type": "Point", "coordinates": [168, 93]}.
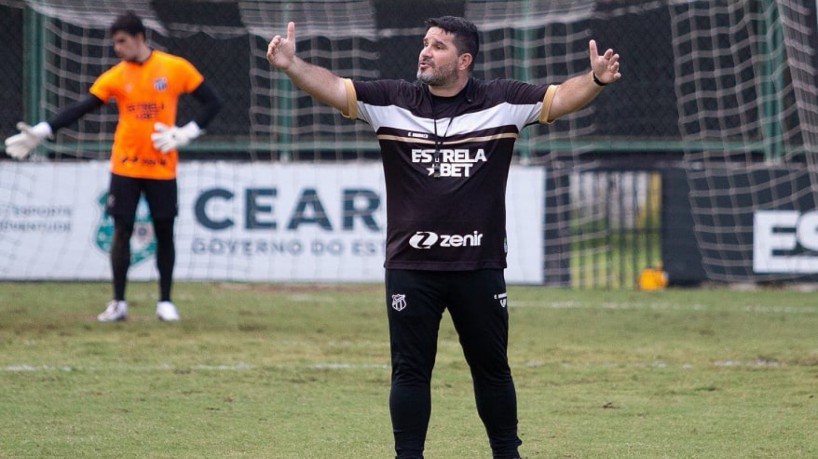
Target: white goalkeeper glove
{"type": "Point", "coordinates": [19, 146]}
{"type": "Point", "coordinates": [166, 138]}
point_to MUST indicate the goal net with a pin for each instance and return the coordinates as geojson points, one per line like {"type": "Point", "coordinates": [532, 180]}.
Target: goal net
{"type": "Point", "coordinates": [747, 95]}
{"type": "Point", "coordinates": [724, 89]}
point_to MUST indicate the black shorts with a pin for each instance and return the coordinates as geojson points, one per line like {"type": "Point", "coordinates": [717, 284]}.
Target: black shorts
{"type": "Point", "coordinates": [477, 303]}
{"type": "Point", "coordinates": [124, 193]}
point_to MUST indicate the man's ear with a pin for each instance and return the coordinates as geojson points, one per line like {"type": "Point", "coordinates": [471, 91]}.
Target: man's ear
{"type": "Point", "coordinates": [465, 60]}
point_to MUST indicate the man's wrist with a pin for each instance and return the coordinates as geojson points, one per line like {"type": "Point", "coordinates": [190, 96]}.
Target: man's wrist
{"type": "Point", "coordinates": [192, 130]}
{"type": "Point", "coordinates": [42, 130]}
{"type": "Point", "coordinates": [293, 68]}
{"type": "Point", "coordinates": [596, 80]}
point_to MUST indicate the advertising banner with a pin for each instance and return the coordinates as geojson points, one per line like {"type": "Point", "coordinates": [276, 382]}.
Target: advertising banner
{"type": "Point", "coordinates": [754, 224]}
{"type": "Point", "coordinates": [246, 222]}
{"type": "Point", "coordinates": [785, 241]}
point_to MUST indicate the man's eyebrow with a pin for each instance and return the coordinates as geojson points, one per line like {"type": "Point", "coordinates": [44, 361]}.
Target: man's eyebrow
{"type": "Point", "coordinates": [435, 40]}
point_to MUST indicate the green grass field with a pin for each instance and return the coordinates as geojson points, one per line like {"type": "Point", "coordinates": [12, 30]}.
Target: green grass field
{"type": "Point", "coordinates": [301, 371]}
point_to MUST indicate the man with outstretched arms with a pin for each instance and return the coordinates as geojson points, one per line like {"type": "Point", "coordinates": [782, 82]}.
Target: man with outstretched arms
{"type": "Point", "coordinates": [446, 143]}
{"type": "Point", "coordinates": [146, 86]}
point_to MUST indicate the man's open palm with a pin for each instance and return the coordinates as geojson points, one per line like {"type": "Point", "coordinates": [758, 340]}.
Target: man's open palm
{"type": "Point", "coordinates": [281, 51]}
{"type": "Point", "coordinates": [605, 66]}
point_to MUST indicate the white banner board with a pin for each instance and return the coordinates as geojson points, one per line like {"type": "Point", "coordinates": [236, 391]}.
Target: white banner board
{"type": "Point", "coordinates": [785, 241]}
{"type": "Point", "coordinates": [250, 222]}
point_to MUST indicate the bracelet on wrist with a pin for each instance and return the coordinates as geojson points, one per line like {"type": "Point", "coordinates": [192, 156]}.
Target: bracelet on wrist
{"type": "Point", "coordinates": [596, 80]}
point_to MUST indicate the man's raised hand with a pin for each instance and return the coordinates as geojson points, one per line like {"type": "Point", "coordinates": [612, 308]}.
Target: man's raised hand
{"type": "Point", "coordinates": [281, 51]}
{"type": "Point", "coordinates": [606, 66]}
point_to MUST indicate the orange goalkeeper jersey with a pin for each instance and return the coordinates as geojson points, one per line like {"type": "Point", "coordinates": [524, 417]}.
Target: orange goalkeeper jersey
{"type": "Point", "coordinates": [145, 94]}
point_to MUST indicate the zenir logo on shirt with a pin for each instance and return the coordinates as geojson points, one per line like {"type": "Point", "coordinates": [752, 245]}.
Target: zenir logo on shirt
{"type": "Point", "coordinates": [429, 239]}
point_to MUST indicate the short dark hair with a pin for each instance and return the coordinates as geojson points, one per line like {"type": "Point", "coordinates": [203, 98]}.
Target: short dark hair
{"type": "Point", "coordinates": [129, 23]}
{"type": "Point", "coordinates": [466, 38]}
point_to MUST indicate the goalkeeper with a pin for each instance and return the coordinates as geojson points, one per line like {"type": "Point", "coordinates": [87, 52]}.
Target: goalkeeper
{"type": "Point", "coordinates": [146, 86]}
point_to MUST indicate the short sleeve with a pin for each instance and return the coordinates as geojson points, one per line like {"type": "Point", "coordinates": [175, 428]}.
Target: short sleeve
{"type": "Point", "coordinates": [103, 87]}
{"type": "Point", "coordinates": [188, 75]}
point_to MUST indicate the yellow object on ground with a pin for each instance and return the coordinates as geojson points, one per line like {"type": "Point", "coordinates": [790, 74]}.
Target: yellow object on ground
{"type": "Point", "coordinates": [652, 279]}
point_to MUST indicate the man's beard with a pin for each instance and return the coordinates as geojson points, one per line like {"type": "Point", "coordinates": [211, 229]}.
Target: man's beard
{"type": "Point", "coordinates": [439, 76]}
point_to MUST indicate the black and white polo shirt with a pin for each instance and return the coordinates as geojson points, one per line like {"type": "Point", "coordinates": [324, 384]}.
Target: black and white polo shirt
{"type": "Point", "coordinates": [446, 164]}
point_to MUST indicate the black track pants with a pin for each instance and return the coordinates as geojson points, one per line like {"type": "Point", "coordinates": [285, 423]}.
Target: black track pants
{"type": "Point", "coordinates": [476, 301]}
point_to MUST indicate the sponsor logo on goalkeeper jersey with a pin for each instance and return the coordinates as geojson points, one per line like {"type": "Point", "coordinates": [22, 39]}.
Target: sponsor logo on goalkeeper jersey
{"type": "Point", "coordinates": [145, 110]}
{"type": "Point", "coordinates": [160, 84]}
{"type": "Point", "coordinates": [427, 239]}
{"type": "Point", "coordinates": [454, 162]}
